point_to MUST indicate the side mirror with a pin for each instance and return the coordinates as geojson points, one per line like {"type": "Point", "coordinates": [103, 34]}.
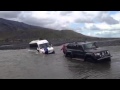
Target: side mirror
{"type": "Point", "coordinates": [95, 44]}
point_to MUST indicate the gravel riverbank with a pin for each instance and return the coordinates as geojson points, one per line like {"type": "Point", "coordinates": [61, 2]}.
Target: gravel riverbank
{"type": "Point", "coordinates": [24, 46]}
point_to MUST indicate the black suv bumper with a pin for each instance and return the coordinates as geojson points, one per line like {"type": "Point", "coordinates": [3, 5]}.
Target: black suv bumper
{"type": "Point", "coordinates": [104, 58]}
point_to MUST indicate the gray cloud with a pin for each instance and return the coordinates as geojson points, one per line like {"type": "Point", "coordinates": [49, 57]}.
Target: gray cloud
{"type": "Point", "coordinates": [80, 20]}
{"type": "Point", "coordinates": [56, 22]}
{"type": "Point", "coordinates": [110, 20]}
{"type": "Point", "coordinates": [37, 22]}
{"type": "Point", "coordinates": [58, 26]}
{"type": "Point", "coordinates": [94, 28]}
{"type": "Point", "coordinates": [101, 17]}
{"type": "Point", "coordinates": [104, 17]}
{"type": "Point", "coordinates": [9, 14]}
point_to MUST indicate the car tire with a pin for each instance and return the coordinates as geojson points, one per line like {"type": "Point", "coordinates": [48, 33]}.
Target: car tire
{"type": "Point", "coordinates": [53, 52]}
{"type": "Point", "coordinates": [71, 55]}
{"type": "Point", "coordinates": [66, 54]}
{"type": "Point", "coordinates": [108, 59]}
{"type": "Point", "coordinates": [38, 51]}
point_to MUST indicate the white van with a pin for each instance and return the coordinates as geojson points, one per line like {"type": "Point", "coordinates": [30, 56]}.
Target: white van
{"type": "Point", "coordinates": [41, 46]}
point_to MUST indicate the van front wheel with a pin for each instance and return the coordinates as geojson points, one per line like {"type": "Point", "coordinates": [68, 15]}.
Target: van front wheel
{"type": "Point", "coordinates": [53, 52]}
{"type": "Point", "coordinates": [38, 51]}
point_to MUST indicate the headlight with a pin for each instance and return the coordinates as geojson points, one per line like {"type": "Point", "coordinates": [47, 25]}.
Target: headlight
{"type": "Point", "coordinates": [108, 52]}
{"type": "Point", "coordinates": [97, 54]}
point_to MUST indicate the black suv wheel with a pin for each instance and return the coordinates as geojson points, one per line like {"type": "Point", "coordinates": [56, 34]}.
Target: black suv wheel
{"type": "Point", "coordinates": [69, 54]}
{"type": "Point", "coordinates": [90, 59]}
{"type": "Point", "coordinates": [108, 59]}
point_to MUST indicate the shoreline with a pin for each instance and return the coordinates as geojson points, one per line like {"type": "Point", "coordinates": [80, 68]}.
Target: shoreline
{"type": "Point", "coordinates": [25, 46]}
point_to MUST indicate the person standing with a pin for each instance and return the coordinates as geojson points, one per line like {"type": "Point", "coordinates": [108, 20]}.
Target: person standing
{"type": "Point", "coordinates": [46, 50]}
{"type": "Point", "coordinates": [64, 48]}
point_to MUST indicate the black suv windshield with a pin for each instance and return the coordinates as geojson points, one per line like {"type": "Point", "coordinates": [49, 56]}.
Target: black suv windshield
{"type": "Point", "coordinates": [90, 46]}
{"type": "Point", "coordinates": [45, 45]}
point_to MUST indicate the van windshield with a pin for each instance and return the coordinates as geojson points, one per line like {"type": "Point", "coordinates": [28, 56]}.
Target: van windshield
{"type": "Point", "coordinates": [45, 45]}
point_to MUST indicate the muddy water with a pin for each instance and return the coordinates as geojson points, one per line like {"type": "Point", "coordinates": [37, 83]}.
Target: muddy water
{"type": "Point", "coordinates": [23, 64]}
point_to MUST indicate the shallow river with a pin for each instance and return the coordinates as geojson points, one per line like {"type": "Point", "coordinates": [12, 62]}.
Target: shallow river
{"type": "Point", "coordinates": [23, 64]}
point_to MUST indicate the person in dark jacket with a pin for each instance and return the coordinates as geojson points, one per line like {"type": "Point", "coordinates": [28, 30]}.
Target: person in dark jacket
{"type": "Point", "coordinates": [46, 50]}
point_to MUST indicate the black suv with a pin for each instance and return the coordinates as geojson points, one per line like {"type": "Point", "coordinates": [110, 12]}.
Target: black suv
{"type": "Point", "coordinates": [87, 51]}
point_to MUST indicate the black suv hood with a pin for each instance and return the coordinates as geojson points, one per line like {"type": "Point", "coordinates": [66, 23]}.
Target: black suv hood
{"type": "Point", "coordinates": [95, 50]}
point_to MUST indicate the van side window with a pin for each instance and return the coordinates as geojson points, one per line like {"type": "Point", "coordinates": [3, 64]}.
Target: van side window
{"type": "Point", "coordinates": [33, 46]}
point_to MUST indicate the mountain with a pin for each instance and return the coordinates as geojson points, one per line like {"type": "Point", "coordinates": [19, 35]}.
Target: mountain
{"type": "Point", "coordinates": [13, 32]}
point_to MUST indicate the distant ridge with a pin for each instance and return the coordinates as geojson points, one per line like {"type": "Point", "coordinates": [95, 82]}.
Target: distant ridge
{"type": "Point", "coordinates": [12, 32]}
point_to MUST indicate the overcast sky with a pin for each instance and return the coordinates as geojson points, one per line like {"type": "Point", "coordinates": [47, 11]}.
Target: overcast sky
{"type": "Point", "coordinates": [93, 23]}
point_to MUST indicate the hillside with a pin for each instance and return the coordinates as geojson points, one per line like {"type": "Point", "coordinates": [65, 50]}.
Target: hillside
{"type": "Point", "coordinates": [13, 32]}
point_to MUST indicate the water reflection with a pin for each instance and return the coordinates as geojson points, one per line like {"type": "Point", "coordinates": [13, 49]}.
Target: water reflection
{"type": "Point", "coordinates": [83, 70]}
